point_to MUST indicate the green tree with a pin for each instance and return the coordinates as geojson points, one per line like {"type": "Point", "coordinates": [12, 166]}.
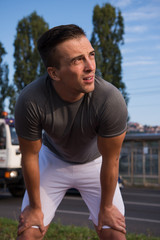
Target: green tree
{"type": "Point", "coordinates": [107, 36]}
{"type": "Point", "coordinates": [4, 81]}
{"type": "Point", "coordinates": [28, 64]}
{"type": "Point", "coordinates": [12, 98]}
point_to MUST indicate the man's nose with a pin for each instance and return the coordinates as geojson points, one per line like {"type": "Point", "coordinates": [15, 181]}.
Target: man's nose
{"type": "Point", "coordinates": [89, 65]}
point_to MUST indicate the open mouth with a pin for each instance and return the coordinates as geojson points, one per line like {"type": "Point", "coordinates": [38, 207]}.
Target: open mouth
{"type": "Point", "coordinates": [88, 79]}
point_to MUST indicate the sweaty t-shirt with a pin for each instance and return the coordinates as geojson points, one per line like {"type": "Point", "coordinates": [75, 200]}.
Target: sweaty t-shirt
{"type": "Point", "coordinates": [70, 130]}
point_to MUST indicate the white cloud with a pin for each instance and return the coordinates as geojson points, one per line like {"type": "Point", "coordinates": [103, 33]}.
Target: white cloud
{"type": "Point", "coordinates": [151, 8]}
{"type": "Point", "coordinates": [138, 63]}
{"type": "Point", "coordinates": [140, 60]}
{"type": "Point", "coordinates": [147, 10]}
{"type": "Point", "coordinates": [150, 38]}
{"type": "Point", "coordinates": [121, 3]}
{"type": "Point", "coordinates": [157, 47]}
{"type": "Point", "coordinates": [133, 39]}
{"type": "Point", "coordinates": [139, 15]}
{"type": "Point", "coordinates": [136, 29]}
{"type": "Point", "coordinates": [155, 37]}
{"type": "Point", "coordinates": [127, 50]}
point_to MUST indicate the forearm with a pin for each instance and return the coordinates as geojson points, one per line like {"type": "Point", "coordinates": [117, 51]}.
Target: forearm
{"type": "Point", "coordinates": [109, 214]}
{"type": "Point", "coordinates": [30, 166]}
{"type": "Point", "coordinates": [109, 178]}
{"type": "Point", "coordinates": [110, 149]}
{"type": "Point", "coordinates": [32, 215]}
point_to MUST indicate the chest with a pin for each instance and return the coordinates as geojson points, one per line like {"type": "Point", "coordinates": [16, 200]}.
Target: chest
{"type": "Point", "coordinates": [64, 121]}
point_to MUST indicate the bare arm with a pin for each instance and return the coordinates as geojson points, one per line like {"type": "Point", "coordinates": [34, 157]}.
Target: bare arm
{"type": "Point", "coordinates": [30, 166]}
{"type": "Point", "coordinates": [110, 149]}
{"type": "Point", "coordinates": [32, 215]}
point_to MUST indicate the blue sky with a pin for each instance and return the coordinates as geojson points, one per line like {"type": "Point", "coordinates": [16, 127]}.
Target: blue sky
{"type": "Point", "coordinates": [140, 52]}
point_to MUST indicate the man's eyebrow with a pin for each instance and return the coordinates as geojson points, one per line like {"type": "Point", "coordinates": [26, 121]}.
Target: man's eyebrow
{"type": "Point", "coordinates": [93, 51]}
{"type": "Point", "coordinates": [79, 56]}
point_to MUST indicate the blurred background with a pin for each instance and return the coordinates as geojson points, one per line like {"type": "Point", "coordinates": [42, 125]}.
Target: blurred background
{"type": "Point", "coordinates": [139, 44]}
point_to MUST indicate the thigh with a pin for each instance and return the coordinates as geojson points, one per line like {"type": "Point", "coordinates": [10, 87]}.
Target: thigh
{"type": "Point", "coordinates": [91, 191]}
{"type": "Point", "coordinates": [54, 182]}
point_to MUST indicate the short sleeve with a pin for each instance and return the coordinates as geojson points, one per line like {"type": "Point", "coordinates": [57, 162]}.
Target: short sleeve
{"type": "Point", "coordinates": [113, 115]}
{"type": "Point", "coordinates": [27, 119]}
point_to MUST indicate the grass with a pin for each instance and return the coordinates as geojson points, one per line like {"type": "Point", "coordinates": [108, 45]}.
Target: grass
{"type": "Point", "coordinates": [8, 229]}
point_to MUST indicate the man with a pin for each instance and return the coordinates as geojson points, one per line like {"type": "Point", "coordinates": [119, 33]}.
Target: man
{"type": "Point", "coordinates": [84, 122]}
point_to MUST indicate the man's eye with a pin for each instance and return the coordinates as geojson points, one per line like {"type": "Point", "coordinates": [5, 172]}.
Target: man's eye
{"type": "Point", "coordinates": [77, 60]}
{"type": "Point", "coordinates": [92, 54]}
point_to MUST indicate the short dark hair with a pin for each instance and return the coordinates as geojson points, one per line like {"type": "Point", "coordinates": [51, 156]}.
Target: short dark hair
{"type": "Point", "coordinates": [50, 39]}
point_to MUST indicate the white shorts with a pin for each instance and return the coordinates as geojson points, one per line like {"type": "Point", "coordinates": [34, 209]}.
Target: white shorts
{"type": "Point", "coordinates": [57, 176]}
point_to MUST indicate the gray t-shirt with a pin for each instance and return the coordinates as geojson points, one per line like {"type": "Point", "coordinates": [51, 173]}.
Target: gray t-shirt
{"type": "Point", "coordinates": [70, 129]}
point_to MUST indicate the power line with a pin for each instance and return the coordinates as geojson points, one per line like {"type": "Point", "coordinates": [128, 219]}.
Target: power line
{"type": "Point", "coordinates": [147, 105]}
{"type": "Point", "coordinates": [140, 79]}
{"type": "Point", "coordinates": [144, 88]}
{"type": "Point", "coordinates": [148, 93]}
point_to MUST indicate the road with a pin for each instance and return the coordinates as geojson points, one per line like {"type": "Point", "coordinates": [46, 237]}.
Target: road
{"type": "Point", "coordinates": [142, 210]}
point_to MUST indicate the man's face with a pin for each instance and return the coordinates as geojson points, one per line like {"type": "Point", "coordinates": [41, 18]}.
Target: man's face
{"type": "Point", "coordinates": [77, 68]}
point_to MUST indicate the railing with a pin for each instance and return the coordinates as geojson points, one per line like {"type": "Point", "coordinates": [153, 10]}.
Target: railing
{"type": "Point", "coordinates": [140, 163]}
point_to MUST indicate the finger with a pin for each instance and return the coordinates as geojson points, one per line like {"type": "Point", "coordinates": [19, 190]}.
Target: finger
{"type": "Point", "coordinates": [21, 222]}
{"type": "Point", "coordinates": [121, 218]}
{"type": "Point", "coordinates": [22, 228]}
{"type": "Point", "coordinates": [99, 227]}
{"type": "Point", "coordinates": [120, 229]}
{"type": "Point", "coordinates": [19, 225]}
{"type": "Point", "coordinates": [21, 217]}
{"type": "Point", "coordinates": [123, 225]}
{"type": "Point", "coordinates": [123, 230]}
{"type": "Point", "coordinates": [42, 229]}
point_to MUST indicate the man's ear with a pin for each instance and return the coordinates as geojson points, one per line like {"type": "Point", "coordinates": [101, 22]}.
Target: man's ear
{"type": "Point", "coordinates": [52, 71]}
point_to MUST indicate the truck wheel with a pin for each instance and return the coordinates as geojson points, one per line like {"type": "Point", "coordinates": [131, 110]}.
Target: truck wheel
{"type": "Point", "coordinates": [16, 191]}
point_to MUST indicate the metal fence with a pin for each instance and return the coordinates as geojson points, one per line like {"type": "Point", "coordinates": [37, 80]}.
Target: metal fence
{"type": "Point", "coordinates": [140, 160]}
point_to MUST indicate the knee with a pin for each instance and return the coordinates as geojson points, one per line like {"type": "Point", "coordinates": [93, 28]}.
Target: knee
{"type": "Point", "coordinates": [111, 234]}
{"type": "Point", "coordinates": [30, 234]}
{"type": "Point", "coordinates": [116, 235]}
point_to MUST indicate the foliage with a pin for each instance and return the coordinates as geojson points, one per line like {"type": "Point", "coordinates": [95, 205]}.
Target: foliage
{"type": "Point", "coordinates": [8, 230]}
{"type": "Point", "coordinates": [5, 90]}
{"type": "Point", "coordinates": [28, 64]}
{"type": "Point", "coordinates": [107, 36]}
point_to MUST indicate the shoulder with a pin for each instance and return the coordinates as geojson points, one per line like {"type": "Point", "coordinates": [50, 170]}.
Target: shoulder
{"type": "Point", "coordinates": [106, 93]}
{"type": "Point", "coordinates": [34, 89]}
{"type": "Point", "coordinates": [110, 107]}
{"type": "Point", "coordinates": [32, 99]}
{"type": "Point", "coordinates": [30, 108]}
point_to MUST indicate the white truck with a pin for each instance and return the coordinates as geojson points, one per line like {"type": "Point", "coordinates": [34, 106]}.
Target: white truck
{"type": "Point", "coordinates": [10, 159]}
